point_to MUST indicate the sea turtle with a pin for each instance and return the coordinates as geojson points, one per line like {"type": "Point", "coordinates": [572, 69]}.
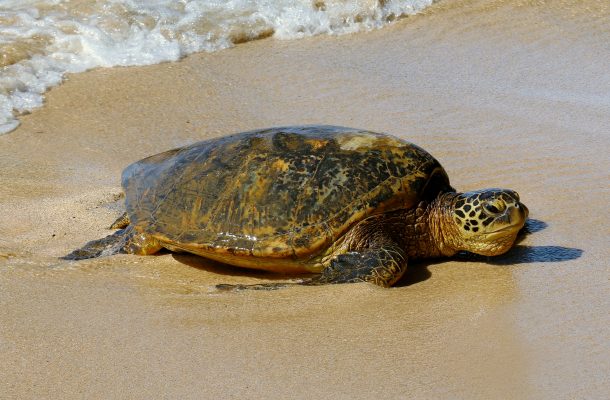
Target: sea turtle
{"type": "Point", "coordinates": [349, 204]}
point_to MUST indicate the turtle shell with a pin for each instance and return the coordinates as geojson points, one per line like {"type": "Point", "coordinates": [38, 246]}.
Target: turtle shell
{"type": "Point", "coordinates": [276, 193]}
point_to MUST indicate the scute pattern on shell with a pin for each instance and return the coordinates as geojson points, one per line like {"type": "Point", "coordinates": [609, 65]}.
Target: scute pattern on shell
{"type": "Point", "coordinates": [281, 192]}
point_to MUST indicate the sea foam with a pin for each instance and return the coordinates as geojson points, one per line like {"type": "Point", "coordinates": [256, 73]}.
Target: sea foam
{"type": "Point", "coordinates": [42, 40]}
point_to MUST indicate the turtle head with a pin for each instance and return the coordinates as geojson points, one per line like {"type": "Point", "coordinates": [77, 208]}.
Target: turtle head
{"type": "Point", "coordinates": [485, 221]}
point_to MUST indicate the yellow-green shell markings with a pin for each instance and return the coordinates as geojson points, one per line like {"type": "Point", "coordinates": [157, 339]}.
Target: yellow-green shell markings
{"type": "Point", "coordinates": [275, 193]}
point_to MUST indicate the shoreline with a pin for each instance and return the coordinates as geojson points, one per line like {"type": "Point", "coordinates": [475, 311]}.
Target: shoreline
{"type": "Point", "coordinates": [501, 93]}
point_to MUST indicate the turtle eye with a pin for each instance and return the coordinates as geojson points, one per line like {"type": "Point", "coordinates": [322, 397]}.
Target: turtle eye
{"type": "Point", "coordinates": [495, 207]}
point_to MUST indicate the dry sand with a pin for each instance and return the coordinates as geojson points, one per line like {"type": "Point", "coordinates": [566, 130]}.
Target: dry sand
{"type": "Point", "coordinates": [503, 93]}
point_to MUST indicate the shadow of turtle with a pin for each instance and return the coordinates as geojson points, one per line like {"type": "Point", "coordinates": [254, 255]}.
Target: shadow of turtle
{"type": "Point", "coordinates": [519, 254]}
{"type": "Point", "coordinates": [531, 226]}
{"type": "Point", "coordinates": [219, 268]}
{"type": "Point", "coordinates": [418, 271]}
{"type": "Point", "coordinates": [527, 254]}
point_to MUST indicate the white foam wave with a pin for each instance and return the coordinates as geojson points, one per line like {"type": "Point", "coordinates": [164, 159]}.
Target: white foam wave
{"type": "Point", "coordinates": [42, 40]}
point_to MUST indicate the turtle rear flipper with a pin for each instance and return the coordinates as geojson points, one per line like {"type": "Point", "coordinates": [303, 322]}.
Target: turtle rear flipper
{"type": "Point", "coordinates": [121, 222]}
{"type": "Point", "coordinates": [111, 244]}
{"type": "Point", "coordinates": [126, 241]}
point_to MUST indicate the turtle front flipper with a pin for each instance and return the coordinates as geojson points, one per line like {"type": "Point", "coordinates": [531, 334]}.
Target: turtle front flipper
{"type": "Point", "coordinates": [382, 266]}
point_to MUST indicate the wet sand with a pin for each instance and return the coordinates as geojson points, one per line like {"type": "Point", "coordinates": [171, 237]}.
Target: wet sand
{"type": "Point", "coordinates": [503, 93]}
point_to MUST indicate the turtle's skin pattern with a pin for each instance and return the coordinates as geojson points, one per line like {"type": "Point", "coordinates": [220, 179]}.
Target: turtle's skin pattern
{"type": "Point", "coordinates": [352, 204]}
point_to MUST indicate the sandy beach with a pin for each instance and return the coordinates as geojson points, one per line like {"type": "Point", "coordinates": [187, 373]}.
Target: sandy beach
{"type": "Point", "coordinates": [504, 93]}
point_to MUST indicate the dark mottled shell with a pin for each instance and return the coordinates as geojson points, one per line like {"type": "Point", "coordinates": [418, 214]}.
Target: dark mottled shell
{"type": "Point", "coordinates": [281, 192]}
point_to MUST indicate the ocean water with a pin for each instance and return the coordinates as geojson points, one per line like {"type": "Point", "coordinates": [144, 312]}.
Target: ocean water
{"type": "Point", "coordinates": [42, 40]}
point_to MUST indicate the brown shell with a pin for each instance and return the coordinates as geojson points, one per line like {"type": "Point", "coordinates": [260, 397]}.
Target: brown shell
{"type": "Point", "coordinates": [275, 193]}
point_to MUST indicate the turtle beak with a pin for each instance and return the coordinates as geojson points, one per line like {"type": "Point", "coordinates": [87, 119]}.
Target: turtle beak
{"type": "Point", "coordinates": [526, 212]}
{"type": "Point", "coordinates": [513, 219]}
{"type": "Point", "coordinates": [518, 211]}
{"type": "Point", "coordinates": [518, 214]}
